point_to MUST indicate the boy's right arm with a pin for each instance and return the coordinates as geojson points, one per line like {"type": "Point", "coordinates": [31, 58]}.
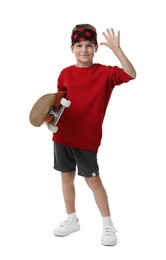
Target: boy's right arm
{"type": "Point", "coordinates": [113, 42]}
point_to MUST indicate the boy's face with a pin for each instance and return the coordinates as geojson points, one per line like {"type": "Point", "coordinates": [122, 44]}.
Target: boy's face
{"type": "Point", "coordinates": [84, 52]}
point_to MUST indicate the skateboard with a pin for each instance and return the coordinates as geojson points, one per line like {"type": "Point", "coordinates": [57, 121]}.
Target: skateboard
{"type": "Point", "coordinates": [48, 109]}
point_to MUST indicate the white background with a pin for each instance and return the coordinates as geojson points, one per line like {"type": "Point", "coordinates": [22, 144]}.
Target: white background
{"type": "Point", "coordinates": [34, 47]}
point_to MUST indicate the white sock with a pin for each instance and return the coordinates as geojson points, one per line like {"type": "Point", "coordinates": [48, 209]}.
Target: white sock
{"type": "Point", "coordinates": [72, 216]}
{"type": "Point", "coordinates": [107, 221]}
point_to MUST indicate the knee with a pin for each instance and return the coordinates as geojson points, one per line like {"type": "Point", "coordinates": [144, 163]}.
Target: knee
{"type": "Point", "coordinates": [93, 182]}
{"type": "Point", "coordinates": [68, 177]}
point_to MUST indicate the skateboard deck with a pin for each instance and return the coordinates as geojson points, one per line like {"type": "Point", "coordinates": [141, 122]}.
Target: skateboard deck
{"type": "Point", "coordinates": [48, 109]}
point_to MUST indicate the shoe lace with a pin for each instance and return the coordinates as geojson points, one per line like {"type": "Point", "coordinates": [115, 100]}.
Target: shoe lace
{"type": "Point", "coordinates": [66, 223]}
{"type": "Point", "coordinates": [109, 231]}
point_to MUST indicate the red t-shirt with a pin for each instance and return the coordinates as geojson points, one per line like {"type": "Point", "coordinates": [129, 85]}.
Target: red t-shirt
{"type": "Point", "coordinates": [89, 90]}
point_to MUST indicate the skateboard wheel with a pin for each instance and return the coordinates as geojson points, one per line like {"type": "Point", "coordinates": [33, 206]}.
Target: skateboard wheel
{"type": "Point", "coordinates": [52, 128]}
{"type": "Point", "coordinates": [64, 102]}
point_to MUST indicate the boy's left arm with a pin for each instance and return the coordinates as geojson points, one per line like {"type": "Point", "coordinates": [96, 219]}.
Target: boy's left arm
{"type": "Point", "coordinates": [113, 42]}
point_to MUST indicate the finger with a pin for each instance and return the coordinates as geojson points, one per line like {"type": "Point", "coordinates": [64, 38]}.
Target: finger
{"type": "Point", "coordinates": [109, 33]}
{"type": "Point", "coordinates": [103, 43]}
{"type": "Point", "coordinates": [112, 31]}
{"type": "Point", "coordinates": [105, 36]}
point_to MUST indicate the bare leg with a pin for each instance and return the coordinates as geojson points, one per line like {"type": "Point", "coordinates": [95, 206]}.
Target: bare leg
{"type": "Point", "coordinates": [100, 195]}
{"type": "Point", "coordinates": [71, 224]}
{"type": "Point", "coordinates": [68, 191]}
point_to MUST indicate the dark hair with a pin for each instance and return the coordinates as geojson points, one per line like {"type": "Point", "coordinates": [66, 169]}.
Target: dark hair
{"type": "Point", "coordinates": [85, 26]}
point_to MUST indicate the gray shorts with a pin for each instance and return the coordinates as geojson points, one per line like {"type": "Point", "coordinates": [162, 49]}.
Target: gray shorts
{"type": "Point", "coordinates": [66, 159]}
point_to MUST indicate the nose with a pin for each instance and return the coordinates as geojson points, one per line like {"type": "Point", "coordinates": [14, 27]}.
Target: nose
{"type": "Point", "coordinates": [83, 48]}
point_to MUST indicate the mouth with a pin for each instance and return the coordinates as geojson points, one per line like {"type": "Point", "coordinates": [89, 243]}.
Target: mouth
{"type": "Point", "coordinates": [84, 55]}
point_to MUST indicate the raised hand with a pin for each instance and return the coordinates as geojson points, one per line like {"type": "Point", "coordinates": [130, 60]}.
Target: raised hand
{"type": "Point", "coordinates": [112, 41]}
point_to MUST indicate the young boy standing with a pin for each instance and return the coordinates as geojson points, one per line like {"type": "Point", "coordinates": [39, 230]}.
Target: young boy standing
{"type": "Point", "coordinates": [89, 86]}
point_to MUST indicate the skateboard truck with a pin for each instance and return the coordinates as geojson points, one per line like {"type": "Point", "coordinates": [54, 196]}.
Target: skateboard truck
{"type": "Point", "coordinates": [57, 114]}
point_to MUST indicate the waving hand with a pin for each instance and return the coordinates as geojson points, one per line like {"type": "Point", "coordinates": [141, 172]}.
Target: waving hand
{"type": "Point", "coordinates": [112, 41]}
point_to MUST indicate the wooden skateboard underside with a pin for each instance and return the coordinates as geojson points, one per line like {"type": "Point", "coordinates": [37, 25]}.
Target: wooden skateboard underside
{"type": "Point", "coordinates": [40, 110]}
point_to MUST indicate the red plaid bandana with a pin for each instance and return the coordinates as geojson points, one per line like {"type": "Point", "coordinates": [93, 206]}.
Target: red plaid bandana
{"type": "Point", "coordinates": [83, 34]}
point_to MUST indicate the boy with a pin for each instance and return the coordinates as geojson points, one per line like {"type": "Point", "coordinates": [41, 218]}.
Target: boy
{"type": "Point", "coordinates": [89, 87]}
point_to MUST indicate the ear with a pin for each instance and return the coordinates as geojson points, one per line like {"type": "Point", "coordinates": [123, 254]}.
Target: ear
{"type": "Point", "coordinates": [72, 48]}
{"type": "Point", "coordinates": [96, 48]}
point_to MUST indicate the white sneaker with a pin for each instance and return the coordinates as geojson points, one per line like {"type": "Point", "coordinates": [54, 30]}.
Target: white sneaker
{"type": "Point", "coordinates": [66, 228]}
{"type": "Point", "coordinates": [109, 236]}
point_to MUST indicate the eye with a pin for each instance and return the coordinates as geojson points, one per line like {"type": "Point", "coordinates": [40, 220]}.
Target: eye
{"type": "Point", "coordinates": [78, 45]}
